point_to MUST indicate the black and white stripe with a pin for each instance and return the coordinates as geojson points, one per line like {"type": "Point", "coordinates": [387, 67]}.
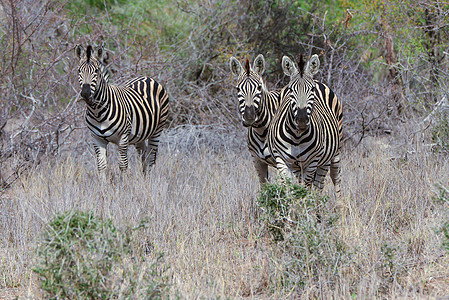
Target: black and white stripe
{"type": "Point", "coordinates": [128, 114]}
{"type": "Point", "coordinates": [257, 107]}
{"type": "Point", "coordinates": [305, 135]}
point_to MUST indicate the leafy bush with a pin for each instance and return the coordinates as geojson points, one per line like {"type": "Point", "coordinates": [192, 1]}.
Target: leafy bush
{"type": "Point", "coordinates": [304, 231]}
{"type": "Point", "coordinates": [84, 257]}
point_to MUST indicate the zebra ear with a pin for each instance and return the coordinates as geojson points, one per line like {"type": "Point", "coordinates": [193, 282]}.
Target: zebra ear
{"type": "Point", "coordinates": [99, 52]}
{"type": "Point", "coordinates": [235, 66]}
{"type": "Point", "coordinates": [79, 51]}
{"type": "Point", "coordinates": [106, 58]}
{"type": "Point", "coordinates": [259, 64]}
{"type": "Point", "coordinates": [313, 65]}
{"type": "Point", "coordinates": [288, 66]}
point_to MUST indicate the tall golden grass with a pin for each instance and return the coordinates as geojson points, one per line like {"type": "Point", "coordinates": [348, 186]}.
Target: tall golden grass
{"type": "Point", "coordinates": [203, 216]}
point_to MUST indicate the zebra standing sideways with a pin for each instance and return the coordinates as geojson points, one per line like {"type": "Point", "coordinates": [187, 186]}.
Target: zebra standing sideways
{"type": "Point", "coordinates": [305, 135]}
{"type": "Point", "coordinates": [257, 106]}
{"type": "Point", "coordinates": [127, 114]}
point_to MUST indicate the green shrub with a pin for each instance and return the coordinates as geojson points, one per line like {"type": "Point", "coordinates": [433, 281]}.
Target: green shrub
{"type": "Point", "coordinates": [84, 257]}
{"type": "Point", "coordinates": [445, 231]}
{"type": "Point", "coordinates": [304, 229]}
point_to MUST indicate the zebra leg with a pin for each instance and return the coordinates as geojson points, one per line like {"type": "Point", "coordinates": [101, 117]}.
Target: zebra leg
{"type": "Point", "coordinates": [309, 173]}
{"type": "Point", "coordinates": [320, 175]}
{"type": "Point", "coordinates": [315, 175]}
{"type": "Point", "coordinates": [284, 171]}
{"type": "Point", "coordinates": [142, 151]}
{"type": "Point", "coordinates": [262, 170]}
{"type": "Point", "coordinates": [335, 173]}
{"type": "Point", "coordinates": [100, 153]}
{"type": "Point", "coordinates": [123, 152]}
{"type": "Point", "coordinates": [152, 148]}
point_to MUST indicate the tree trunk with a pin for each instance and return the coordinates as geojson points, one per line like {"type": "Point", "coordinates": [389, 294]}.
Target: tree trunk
{"type": "Point", "coordinates": [397, 86]}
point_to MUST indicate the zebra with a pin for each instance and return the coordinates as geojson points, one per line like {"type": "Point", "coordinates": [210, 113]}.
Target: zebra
{"type": "Point", "coordinates": [128, 114]}
{"type": "Point", "coordinates": [257, 106]}
{"type": "Point", "coordinates": [305, 135]}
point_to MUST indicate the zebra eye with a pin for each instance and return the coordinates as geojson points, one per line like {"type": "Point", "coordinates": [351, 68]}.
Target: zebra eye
{"type": "Point", "coordinates": [259, 88]}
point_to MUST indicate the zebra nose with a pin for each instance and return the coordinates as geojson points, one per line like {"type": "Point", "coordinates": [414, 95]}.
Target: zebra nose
{"type": "Point", "coordinates": [85, 91]}
{"type": "Point", "coordinates": [302, 119]}
{"type": "Point", "coordinates": [249, 115]}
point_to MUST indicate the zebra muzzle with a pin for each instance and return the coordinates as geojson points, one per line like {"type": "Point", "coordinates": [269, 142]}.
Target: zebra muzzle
{"type": "Point", "coordinates": [85, 91]}
{"type": "Point", "coordinates": [249, 115]}
{"type": "Point", "coordinates": [302, 119]}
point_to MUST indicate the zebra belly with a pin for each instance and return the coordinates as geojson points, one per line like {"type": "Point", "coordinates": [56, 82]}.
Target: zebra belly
{"type": "Point", "coordinates": [113, 130]}
{"type": "Point", "coordinates": [301, 158]}
{"type": "Point", "coordinates": [107, 131]}
{"type": "Point", "coordinates": [103, 132]}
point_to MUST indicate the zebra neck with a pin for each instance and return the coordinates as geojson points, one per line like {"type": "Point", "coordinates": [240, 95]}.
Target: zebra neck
{"type": "Point", "coordinates": [100, 97]}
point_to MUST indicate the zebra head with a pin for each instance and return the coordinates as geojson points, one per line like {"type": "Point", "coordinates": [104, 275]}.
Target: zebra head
{"type": "Point", "coordinates": [90, 71]}
{"type": "Point", "coordinates": [249, 87]}
{"type": "Point", "coordinates": [301, 89]}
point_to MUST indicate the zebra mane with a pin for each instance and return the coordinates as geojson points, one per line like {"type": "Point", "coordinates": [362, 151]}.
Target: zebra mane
{"type": "Point", "coordinates": [247, 67]}
{"type": "Point", "coordinates": [89, 51]}
{"type": "Point", "coordinates": [301, 64]}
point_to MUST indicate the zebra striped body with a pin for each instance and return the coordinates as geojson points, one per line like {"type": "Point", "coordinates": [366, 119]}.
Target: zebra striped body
{"type": "Point", "coordinates": [129, 114]}
{"type": "Point", "coordinates": [257, 107]}
{"type": "Point", "coordinates": [305, 135]}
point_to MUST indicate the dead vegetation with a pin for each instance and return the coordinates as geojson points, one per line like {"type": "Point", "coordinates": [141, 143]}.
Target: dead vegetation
{"type": "Point", "coordinates": [201, 210]}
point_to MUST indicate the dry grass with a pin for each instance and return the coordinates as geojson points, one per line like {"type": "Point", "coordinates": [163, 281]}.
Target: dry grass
{"type": "Point", "coordinates": [202, 214]}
